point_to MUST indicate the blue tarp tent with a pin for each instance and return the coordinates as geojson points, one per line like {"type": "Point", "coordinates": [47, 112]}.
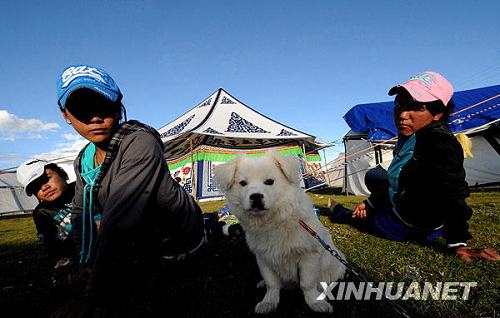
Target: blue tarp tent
{"type": "Point", "coordinates": [476, 114]}
{"type": "Point", "coordinates": [376, 118]}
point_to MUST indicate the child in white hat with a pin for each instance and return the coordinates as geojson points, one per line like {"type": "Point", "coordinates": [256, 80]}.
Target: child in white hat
{"type": "Point", "coordinates": [52, 216]}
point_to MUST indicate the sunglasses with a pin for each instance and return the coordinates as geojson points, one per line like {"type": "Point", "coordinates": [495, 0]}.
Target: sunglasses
{"type": "Point", "coordinates": [85, 104]}
{"type": "Point", "coordinates": [34, 186]}
{"type": "Point", "coordinates": [408, 105]}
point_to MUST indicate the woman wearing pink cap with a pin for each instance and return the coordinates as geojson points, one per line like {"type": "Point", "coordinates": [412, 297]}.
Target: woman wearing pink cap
{"type": "Point", "coordinates": [422, 195]}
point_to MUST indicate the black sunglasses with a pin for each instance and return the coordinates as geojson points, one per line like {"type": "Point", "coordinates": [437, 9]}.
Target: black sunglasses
{"type": "Point", "coordinates": [34, 186]}
{"type": "Point", "coordinates": [85, 103]}
{"type": "Point", "coordinates": [408, 105]}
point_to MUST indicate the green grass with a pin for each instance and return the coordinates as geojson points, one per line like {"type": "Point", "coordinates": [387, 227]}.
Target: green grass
{"type": "Point", "coordinates": [222, 283]}
{"type": "Point", "coordinates": [383, 260]}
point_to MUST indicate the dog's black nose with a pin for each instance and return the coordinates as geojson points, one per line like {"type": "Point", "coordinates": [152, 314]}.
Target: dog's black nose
{"type": "Point", "coordinates": [256, 201]}
{"type": "Point", "coordinates": [256, 197]}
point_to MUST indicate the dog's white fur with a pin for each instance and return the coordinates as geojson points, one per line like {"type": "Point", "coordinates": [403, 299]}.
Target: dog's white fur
{"type": "Point", "coordinates": [286, 254]}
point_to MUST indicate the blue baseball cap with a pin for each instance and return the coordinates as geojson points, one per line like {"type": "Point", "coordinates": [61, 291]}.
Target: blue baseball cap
{"type": "Point", "coordinates": [85, 76]}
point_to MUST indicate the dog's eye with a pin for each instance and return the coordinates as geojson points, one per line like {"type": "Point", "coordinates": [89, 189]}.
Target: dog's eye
{"type": "Point", "coordinates": [243, 183]}
{"type": "Point", "coordinates": [269, 182]}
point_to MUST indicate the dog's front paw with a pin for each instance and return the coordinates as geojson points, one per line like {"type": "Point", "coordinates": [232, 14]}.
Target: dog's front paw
{"type": "Point", "coordinates": [265, 307]}
{"type": "Point", "coordinates": [320, 306]}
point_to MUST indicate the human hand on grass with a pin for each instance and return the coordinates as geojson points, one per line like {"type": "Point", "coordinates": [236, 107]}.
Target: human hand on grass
{"type": "Point", "coordinates": [360, 211]}
{"type": "Point", "coordinates": [467, 253]}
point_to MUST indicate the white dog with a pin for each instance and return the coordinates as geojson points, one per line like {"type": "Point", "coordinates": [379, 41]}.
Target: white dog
{"type": "Point", "coordinates": [265, 195]}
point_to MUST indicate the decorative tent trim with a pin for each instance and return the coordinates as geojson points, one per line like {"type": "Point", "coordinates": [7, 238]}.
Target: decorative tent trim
{"type": "Point", "coordinates": [212, 131]}
{"type": "Point", "coordinates": [220, 156]}
{"type": "Point", "coordinates": [285, 132]}
{"type": "Point", "coordinates": [177, 129]}
{"type": "Point", "coordinates": [239, 124]}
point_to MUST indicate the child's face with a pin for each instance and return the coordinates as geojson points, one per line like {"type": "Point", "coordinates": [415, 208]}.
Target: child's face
{"type": "Point", "coordinates": [93, 117]}
{"type": "Point", "coordinates": [51, 186]}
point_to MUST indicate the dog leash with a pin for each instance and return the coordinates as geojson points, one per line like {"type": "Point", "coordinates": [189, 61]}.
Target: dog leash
{"type": "Point", "coordinates": [400, 310]}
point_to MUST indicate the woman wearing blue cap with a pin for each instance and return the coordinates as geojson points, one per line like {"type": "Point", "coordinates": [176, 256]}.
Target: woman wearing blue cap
{"type": "Point", "coordinates": [126, 203]}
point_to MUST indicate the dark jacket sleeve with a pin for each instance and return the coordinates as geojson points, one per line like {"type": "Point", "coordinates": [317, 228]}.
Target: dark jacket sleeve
{"type": "Point", "coordinates": [129, 211]}
{"type": "Point", "coordinates": [440, 172]}
{"type": "Point", "coordinates": [47, 232]}
{"type": "Point", "coordinates": [76, 211]}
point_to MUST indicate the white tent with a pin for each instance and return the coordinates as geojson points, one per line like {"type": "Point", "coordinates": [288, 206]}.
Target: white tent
{"type": "Point", "coordinates": [217, 129]}
{"type": "Point", "coordinates": [13, 199]}
{"type": "Point", "coordinates": [334, 172]}
{"type": "Point", "coordinates": [348, 170]}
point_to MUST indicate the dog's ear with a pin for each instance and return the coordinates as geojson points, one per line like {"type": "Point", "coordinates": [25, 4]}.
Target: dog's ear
{"type": "Point", "coordinates": [225, 174]}
{"type": "Point", "coordinates": [288, 165]}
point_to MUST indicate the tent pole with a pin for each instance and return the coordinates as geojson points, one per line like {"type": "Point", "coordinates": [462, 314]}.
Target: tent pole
{"type": "Point", "coordinates": [304, 150]}
{"type": "Point", "coordinates": [306, 164]}
{"type": "Point", "coordinates": [305, 158]}
{"type": "Point", "coordinates": [345, 168]}
{"type": "Point", "coordinates": [193, 176]}
{"type": "Point", "coordinates": [326, 170]}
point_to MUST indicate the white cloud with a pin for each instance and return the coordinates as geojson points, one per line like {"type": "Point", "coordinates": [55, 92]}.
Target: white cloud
{"type": "Point", "coordinates": [67, 150]}
{"type": "Point", "coordinates": [10, 160]}
{"type": "Point", "coordinates": [12, 127]}
{"type": "Point", "coordinates": [72, 137]}
{"type": "Point", "coordinates": [64, 152]}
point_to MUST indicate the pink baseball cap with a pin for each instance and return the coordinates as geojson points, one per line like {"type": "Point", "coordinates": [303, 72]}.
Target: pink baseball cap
{"type": "Point", "coordinates": [426, 87]}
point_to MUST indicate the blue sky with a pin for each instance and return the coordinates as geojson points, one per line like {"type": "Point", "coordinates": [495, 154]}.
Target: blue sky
{"type": "Point", "coordinates": [303, 63]}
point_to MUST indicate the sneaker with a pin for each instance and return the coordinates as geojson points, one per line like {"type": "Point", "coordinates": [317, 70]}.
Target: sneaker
{"type": "Point", "coordinates": [337, 213]}
{"type": "Point", "coordinates": [331, 204]}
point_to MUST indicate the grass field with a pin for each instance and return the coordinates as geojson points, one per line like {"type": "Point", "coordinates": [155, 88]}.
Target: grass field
{"type": "Point", "coordinates": [222, 283]}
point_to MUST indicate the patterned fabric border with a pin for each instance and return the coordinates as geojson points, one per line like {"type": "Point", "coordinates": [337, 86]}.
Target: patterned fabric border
{"type": "Point", "coordinates": [209, 130]}
{"type": "Point", "coordinates": [209, 156]}
{"type": "Point", "coordinates": [240, 125]}
{"type": "Point", "coordinates": [206, 103]}
{"type": "Point", "coordinates": [285, 132]}
{"type": "Point", "coordinates": [226, 101]}
{"type": "Point", "coordinates": [177, 129]}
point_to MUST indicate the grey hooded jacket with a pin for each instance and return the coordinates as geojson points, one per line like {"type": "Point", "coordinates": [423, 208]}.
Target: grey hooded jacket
{"type": "Point", "coordinates": [140, 205]}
